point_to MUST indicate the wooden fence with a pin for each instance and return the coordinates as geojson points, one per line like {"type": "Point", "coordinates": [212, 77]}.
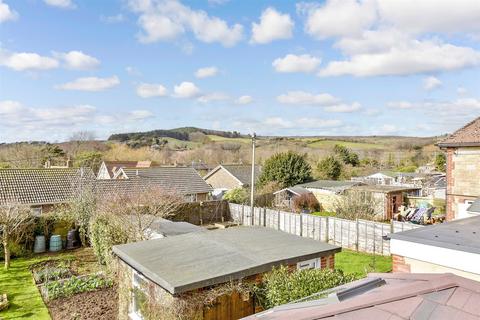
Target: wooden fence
{"type": "Point", "coordinates": [360, 235]}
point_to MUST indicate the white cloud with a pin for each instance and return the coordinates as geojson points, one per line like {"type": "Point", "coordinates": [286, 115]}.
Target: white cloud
{"type": "Point", "coordinates": [411, 57]}
{"type": "Point", "coordinates": [277, 122]}
{"type": "Point", "coordinates": [216, 96]}
{"type": "Point", "coordinates": [293, 63]}
{"type": "Point", "coordinates": [90, 84]}
{"type": "Point", "coordinates": [149, 90]}
{"type": "Point", "coordinates": [77, 60]}
{"type": "Point", "coordinates": [343, 108]}
{"type": "Point", "coordinates": [206, 72]}
{"type": "Point", "coordinates": [8, 107]}
{"type": "Point", "coordinates": [318, 123]}
{"type": "Point", "coordinates": [243, 100]}
{"type": "Point", "coordinates": [401, 105]}
{"type": "Point", "coordinates": [64, 4]}
{"type": "Point", "coordinates": [273, 26]}
{"type": "Point", "coordinates": [6, 13]}
{"type": "Point", "coordinates": [140, 115]}
{"type": "Point", "coordinates": [163, 20]}
{"type": "Point", "coordinates": [387, 129]}
{"type": "Point", "coordinates": [186, 90]}
{"type": "Point", "coordinates": [337, 17]}
{"type": "Point", "coordinates": [117, 18]}
{"type": "Point", "coordinates": [133, 71]}
{"type": "Point", "coordinates": [461, 91]}
{"type": "Point", "coordinates": [431, 83]}
{"type": "Point", "coordinates": [306, 98]}
{"type": "Point", "coordinates": [22, 61]}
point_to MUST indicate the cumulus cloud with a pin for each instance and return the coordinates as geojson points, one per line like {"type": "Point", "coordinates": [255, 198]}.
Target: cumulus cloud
{"type": "Point", "coordinates": [461, 91]}
{"type": "Point", "coordinates": [296, 63]}
{"type": "Point", "coordinates": [337, 17]}
{"type": "Point", "coordinates": [26, 61]}
{"type": "Point", "coordinates": [273, 25]}
{"type": "Point", "coordinates": [343, 108]}
{"type": "Point", "coordinates": [243, 100]}
{"type": "Point", "coordinates": [186, 90]}
{"type": "Point", "coordinates": [431, 83]}
{"type": "Point", "coordinates": [163, 20]}
{"type": "Point", "coordinates": [307, 98]}
{"type": "Point", "coordinates": [140, 115]}
{"type": "Point", "coordinates": [400, 105]}
{"type": "Point", "coordinates": [90, 84]}
{"type": "Point", "coordinates": [77, 60]}
{"type": "Point", "coordinates": [64, 4]}
{"type": "Point", "coordinates": [206, 72]}
{"type": "Point", "coordinates": [149, 90]}
{"type": "Point", "coordinates": [6, 13]}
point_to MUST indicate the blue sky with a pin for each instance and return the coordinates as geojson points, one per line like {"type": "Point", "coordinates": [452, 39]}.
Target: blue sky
{"type": "Point", "coordinates": [336, 67]}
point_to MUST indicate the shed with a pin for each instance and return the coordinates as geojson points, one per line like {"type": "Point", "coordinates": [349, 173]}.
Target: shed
{"type": "Point", "coordinates": [194, 262]}
{"type": "Point", "coordinates": [284, 198]}
{"type": "Point", "coordinates": [448, 247]}
{"type": "Point", "coordinates": [327, 192]}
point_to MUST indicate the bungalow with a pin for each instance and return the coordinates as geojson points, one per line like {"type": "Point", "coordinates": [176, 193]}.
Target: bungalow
{"type": "Point", "coordinates": [43, 188]}
{"type": "Point", "coordinates": [226, 177]}
{"type": "Point", "coordinates": [110, 169]}
{"type": "Point", "coordinates": [185, 180]}
{"type": "Point", "coordinates": [181, 270]}
{"type": "Point", "coordinates": [327, 192]}
{"type": "Point", "coordinates": [448, 247]}
{"type": "Point", "coordinates": [386, 296]}
{"type": "Point", "coordinates": [463, 169]}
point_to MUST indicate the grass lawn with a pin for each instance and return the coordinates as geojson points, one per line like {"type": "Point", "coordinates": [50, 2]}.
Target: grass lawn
{"type": "Point", "coordinates": [23, 295]}
{"type": "Point", "coordinates": [225, 139]}
{"type": "Point", "coordinates": [362, 263]}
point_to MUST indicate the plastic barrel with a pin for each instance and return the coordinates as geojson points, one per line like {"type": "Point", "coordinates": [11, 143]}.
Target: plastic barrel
{"type": "Point", "coordinates": [55, 243]}
{"type": "Point", "coordinates": [39, 245]}
{"type": "Point", "coordinates": [72, 239]}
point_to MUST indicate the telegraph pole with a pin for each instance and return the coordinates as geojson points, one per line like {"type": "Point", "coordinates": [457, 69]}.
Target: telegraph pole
{"type": "Point", "coordinates": [252, 184]}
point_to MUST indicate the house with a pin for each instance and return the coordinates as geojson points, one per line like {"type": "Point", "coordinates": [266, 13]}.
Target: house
{"type": "Point", "coordinates": [463, 168]}
{"type": "Point", "coordinates": [110, 169]}
{"type": "Point", "coordinates": [226, 177]}
{"type": "Point", "coordinates": [388, 198]}
{"type": "Point", "coordinates": [202, 167]}
{"type": "Point", "coordinates": [172, 270]}
{"type": "Point", "coordinates": [448, 247]}
{"type": "Point", "coordinates": [386, 296]}
{"type": "Point", "coordinates": [284, 198]}
{"type": "Point", "coordinates": [185, 180]}
{"type": "Point", "coordinates": [43, 188]}
{"type": "Point", "coordinates": [327, 192]}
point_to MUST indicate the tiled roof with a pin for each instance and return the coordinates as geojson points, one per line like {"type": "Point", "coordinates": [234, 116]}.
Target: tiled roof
{"type": "Point", "coordinates": [240, 171]}
{"type": "Point", "coordinates": [469, 135]}
{"type": "Point", "coordinates": [184, 180]}
{"type": "Point", "coordinates": [332, 185]}
{"type": "Point", "coordinates": [113, 166]}
{"type": "Point", "coordinates": [403, 296]}
{"type": "Point", "coordinates": [42, 186]}
{"type": "Point", "coordinates": [296, 190]}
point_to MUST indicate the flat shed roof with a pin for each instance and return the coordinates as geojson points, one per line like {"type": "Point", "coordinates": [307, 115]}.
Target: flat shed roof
{"type": "Point", "coordinates": [201, 259]}
{"type": "Point", "coordinates": [462, 235]}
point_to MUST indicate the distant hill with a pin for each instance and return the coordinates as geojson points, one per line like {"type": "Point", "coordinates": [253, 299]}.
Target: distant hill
{"type": "Point", "coordinates": [182, 134]}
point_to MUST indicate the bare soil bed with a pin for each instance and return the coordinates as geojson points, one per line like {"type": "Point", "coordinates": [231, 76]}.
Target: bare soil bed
{"type": "Point", "coordinates": [98, 305]}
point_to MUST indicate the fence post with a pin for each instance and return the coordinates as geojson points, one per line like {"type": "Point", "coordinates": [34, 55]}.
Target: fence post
{"type": "Point", "coordinates": [327, 230]}
{"type": "Point", "coordinates": [392, 228]}
{"type": "Point", "coordinates": [357, 231]}
{"type": "Point", "coordinates": [278, 219]}
{"type": "Point", "coordinates": [301, 224]}
{"type": "Point", "coordinates": [242, 217]}
{"type": "Point", "coordinates": [264, 217]}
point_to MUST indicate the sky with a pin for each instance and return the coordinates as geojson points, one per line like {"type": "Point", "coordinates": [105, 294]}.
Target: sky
{"type": "Point", "coordinates": [334, 67]}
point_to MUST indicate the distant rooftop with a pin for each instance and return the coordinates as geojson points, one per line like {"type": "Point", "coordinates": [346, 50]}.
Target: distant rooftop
{"type": "Point", "coordinates": [201, 259]}
{"type": "Point", "coordinates": [475, 206]}
{"type": "Point", "coordinates": [461, 234]}
{"type": "Point", "coordinates": [468, 136]}
{"type": "Point", "coordinates": [333, 185]}
{"type": "Point", "coordinates": [242, 172]}
{"type": "Point", "coordinates": [383, 188]}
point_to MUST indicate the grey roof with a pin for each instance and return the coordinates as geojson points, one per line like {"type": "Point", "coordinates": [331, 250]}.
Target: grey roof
{"type": "Point", "coordinates": [164, 227]}
{"type": "Point", "coordinates": [383, 188]}
{"type": "Point", "coordinates": [296, 190]}
{"type": "Point", "coordinates": [461, 234]}
{"type": "Point", "coordinates": [475, 206]}
{"type": "Point", "coordinates": [402, 296]}
{"type": "Point", "coordinates": [184, 180]}
{"type": "Point", "coordinates": [42, 186]}
{"type": "Point", "coordinates": [242, 172]}
{"type": "Point", "coordinates": [201, 259]}
{"type": "Point", "coordinates": [332, 185]}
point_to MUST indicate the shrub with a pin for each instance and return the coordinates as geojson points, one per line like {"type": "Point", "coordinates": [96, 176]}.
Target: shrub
{"type": "Point", "coordinates": [357, 205]}
{"type": "Point", "coordinates": [306, 201]}
{"type": "Point", "coordinates": [440, 162]}
{"type": "Point", "coordinates": [237, 195]}
{"type": "Point", "coordinates": [103, 235]}
{"type": "Point", "coordinates": [287, 169]}
{"type": "Point", "coordinates": [65, 288]}
{"type": "Point", "coordinates": [281, 286]}
{"type": "Point", "coordinates": [329, 168]}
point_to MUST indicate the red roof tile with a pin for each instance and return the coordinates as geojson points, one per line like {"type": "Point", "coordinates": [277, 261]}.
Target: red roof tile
{"type": "Point", "coordinates": [467, 136]}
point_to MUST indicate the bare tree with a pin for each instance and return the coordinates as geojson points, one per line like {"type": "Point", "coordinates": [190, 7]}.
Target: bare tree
{"type": "Point", "coordinates": [357, 205]}
{"type": "Point", "coordinates": [15, 223]}
{"type": "Point", "coordinates": [83, 136]}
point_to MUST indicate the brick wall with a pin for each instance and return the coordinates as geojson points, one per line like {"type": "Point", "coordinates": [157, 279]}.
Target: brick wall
{"type": "Point", "coordinates": [327, 262]}
{"type": "Point", "coordinates": [399, 264]}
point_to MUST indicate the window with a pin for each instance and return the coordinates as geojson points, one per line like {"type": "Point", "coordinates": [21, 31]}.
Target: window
{"type": "Point", "coordinates": [139, 296]}
{"type": "Point", "coordinates": [309, 264]}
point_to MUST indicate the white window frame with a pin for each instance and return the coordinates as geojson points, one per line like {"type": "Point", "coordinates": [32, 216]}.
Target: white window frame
{"type": "Point", "coordinates": [136, 284]}
{"type": "Point", "coordinates": [309, 264]}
